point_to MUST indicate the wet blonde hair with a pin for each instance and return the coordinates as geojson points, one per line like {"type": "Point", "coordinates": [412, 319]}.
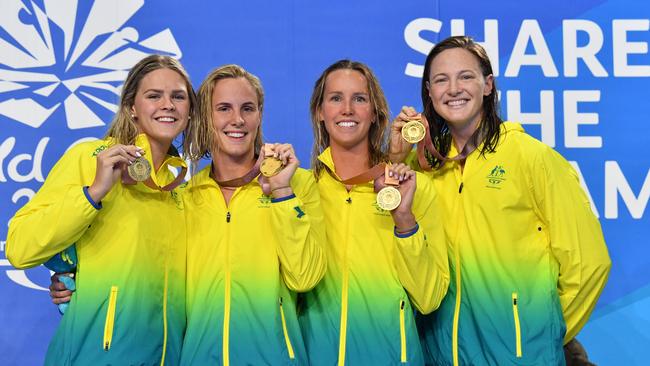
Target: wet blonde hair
{"type": "Point", "coordinates": [124, 128]}
{"type": "Point", "coordinates": [201, 135]}
{"type": "Point", "coordinates": [377, 133]}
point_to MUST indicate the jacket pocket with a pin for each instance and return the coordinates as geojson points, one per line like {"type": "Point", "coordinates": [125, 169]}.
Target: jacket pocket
{"type": "Point", "coordinates": [110, 319]}
{"type": "Point", "coordinates": [515, 314]}
{"type": "Point", "coordinates": [287, 340]}
{"type": "Point", "coordinates": [402, 332]}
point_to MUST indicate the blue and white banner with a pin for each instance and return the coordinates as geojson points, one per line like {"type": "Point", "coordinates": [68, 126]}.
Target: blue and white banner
{"type": "Point", "coordinates": [577, 74]}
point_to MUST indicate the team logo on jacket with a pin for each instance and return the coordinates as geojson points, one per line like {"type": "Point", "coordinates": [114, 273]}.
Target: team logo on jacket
{"type": "Point", "coordinates": [66, 60]}
{"type": "Point", "coordinates": [177, 199]}
{"type": "Point", "coordinates": [496, 177]}
{"type": "Point", "coordinates": [378, 210]}
{"type": "Point", "coordinates": [265, 201]}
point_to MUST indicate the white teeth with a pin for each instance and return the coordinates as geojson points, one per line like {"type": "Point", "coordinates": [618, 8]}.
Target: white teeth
{"type": "Point", "coordinates": [454, 103]}
{"type": "Point", "coordinates": [235, 134]}
{"type": "Point", "coordinates": [347, 124]}
{"type": "Point", "coordinates": [165, 119]}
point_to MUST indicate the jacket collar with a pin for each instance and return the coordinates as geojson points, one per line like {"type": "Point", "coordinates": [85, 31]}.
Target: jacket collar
{"type": "Point", "coordinates": [326, 158]}
{"type": "Point", "coordinates": [504, 129]}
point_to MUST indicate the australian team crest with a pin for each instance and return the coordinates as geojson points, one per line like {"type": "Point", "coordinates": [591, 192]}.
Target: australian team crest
{"type": "Point", "coordinates": [496, 177]}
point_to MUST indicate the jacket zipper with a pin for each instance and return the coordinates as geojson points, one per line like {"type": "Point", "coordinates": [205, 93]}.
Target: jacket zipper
{"type": "Point", "coordinates": [110, 319]}
{"type": "Point", "coordinates": [515, 313]}
{"type": "Point", "coordinates": [164, 352]}
{"type": "Point", "coordinates": [287, 340]}
{"type": "Point", "coordinates": [225, 347]}
{"type": "Point", "coordinates": [344, 291]}
{"type": "Point", "coordinates": [402, 332]}
{"type": "Point", "coordinates": [458, 281]}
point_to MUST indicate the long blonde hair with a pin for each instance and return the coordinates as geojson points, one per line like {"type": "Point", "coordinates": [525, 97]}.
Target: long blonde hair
{"type": "Point", "coordinates": [123, 128]}
{"type": "Point", "coordinates": [378, 133]}
{"type": "Point", "coordinates": [201, 135]}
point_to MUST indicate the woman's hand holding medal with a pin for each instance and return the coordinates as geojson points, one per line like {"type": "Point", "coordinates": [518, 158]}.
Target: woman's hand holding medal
{"type": "Point", "coordinates": [110, 164]}
{"type": "Point", "coordinates": [399, 146]}
{"type": "Point", "coordinates": [277, 169]}
{"type": "Point", "coordinates": [405, 176]}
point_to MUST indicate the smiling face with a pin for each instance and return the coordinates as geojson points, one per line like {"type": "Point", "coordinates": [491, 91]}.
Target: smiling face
{"type": "Point", "coordinates": [457, 87]}
{"type": "Point", "coordinates": [236, 117]}
{"type": "Point", "coordinates": [161, 106]}
{"type": "Point", "coordinates": [346, 111]}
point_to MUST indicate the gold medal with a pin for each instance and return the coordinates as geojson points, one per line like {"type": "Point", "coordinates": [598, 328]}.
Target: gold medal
{"type": "Point", "coordinates": [140, 170]}
{"type": "Point", "coordinates": [271, 166]}
{"type": "Point", "coordinates": [389, 198]}
{"type": "Point", "coordinates": [413, 131]}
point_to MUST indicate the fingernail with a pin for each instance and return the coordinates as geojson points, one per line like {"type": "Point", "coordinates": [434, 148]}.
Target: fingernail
{"type": "Point", "coordinates": [390, 174]}
{"type": "Point", "coordinates": [137, 153]}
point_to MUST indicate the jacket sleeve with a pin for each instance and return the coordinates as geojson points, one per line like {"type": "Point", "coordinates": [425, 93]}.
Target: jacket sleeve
{"type": "Point", "coordinates": [300, 231]}
{"type": "Point", "coordinates": [421, 259]}
{"type": "Point", "coordinates": [55, 217]}
{"type": "Point", "coordinates": [576, 238]}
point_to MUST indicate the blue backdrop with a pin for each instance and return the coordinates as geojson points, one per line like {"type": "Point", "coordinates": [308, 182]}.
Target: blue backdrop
{"type": "Point", "coordinates": [575, 73]}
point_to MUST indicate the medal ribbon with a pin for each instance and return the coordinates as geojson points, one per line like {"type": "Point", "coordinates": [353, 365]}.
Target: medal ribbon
{"type": "Point", "coordinates": [244, 179]}
{"type": "Point", "coordinates": [370, 174]}
{"type": "Point", "coordinates": [126, 179]}
{"type": "Point", "coordinates": [427, 143]}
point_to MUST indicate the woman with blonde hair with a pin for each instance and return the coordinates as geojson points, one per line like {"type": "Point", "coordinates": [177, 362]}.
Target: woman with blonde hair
{"type": "Point", "coordinates": [116, 200]}
{"type": "Point", "coordinates": [255, 241]}
{"type": "Point", "coordinates": [382, 263]}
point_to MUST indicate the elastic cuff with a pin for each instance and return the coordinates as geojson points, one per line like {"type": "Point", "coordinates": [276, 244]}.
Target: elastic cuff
{"type": "Point", "coordinates": [96, 205]}
{"type": "Point", "coordinates": [282, 199]}
{"type": "Point", "coordinates": [408, 233]}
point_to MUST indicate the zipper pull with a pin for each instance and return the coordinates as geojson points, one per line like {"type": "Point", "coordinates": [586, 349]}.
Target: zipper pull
{"type": "Point", "coordinates": [460, 189]}
{"type": "Point", "coordinates": [280, 300]}
{"type": "Point", "coordinates": [401, 304]}
{"type": "Point", "coordinates": [228, 216]}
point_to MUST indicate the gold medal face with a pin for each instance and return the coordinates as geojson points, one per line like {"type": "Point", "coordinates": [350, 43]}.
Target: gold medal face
{"type": "Point", "coordinates": [389, 198]}
{"type": "Point", "coordinates": [271, 166]}
{"type": "Point", "coordinates": [140, 170]}
{"type": "Point", "coordinates": [413, 132]}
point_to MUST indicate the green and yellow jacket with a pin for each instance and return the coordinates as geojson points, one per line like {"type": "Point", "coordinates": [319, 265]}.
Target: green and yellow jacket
{"type": "Point", "coordinates": [129, 306]}
{"type": "Point", "coordinates": [246, 261]}
{"type": "Point", "coordinates": [362, 312]}
{"type": "Point", "coordinates": [527, 257]}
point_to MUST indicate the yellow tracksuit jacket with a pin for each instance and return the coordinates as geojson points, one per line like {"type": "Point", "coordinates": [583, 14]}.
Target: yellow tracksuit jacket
{"type": "Point", "coordinates": [246, 261]}
{"type": "Point", "coordinates": [527, 256]}
{"type": "Point", "coordinates": [128, 308]}
{"type": "Point", "coordinates": [361, 312]}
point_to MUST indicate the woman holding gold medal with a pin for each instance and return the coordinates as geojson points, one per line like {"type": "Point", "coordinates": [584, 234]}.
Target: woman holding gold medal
{"type": "Point", "coordinates": [115, 199]}
{"type": "Point", "coordinates": [527, 254]}
{"type": "Point", "coordinates": [255, 240]}
{"type": "Point", "coordinates": [386, 252]}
